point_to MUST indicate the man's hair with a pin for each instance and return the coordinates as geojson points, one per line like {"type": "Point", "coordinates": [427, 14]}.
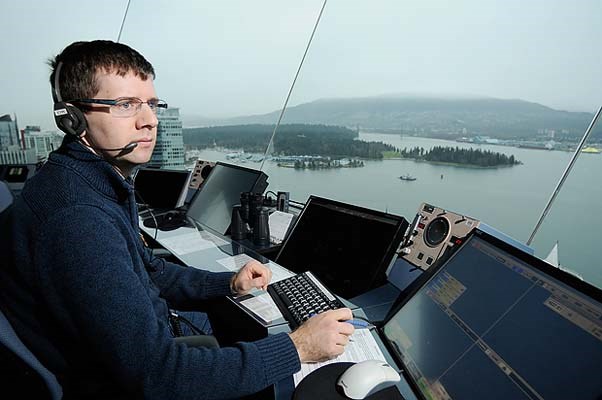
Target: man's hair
{"type": "Point", "coordinates": [81, 61]}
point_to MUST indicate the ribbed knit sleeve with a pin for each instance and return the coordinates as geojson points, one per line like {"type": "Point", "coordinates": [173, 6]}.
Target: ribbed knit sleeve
{"type": "Point", "coordinates": [186, 286]}
{"type": "Point", "coordinates": [276, 352]}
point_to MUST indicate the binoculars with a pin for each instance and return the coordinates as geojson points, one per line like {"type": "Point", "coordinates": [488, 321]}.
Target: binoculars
{"type": "Point", "coordinates": [250, 219]}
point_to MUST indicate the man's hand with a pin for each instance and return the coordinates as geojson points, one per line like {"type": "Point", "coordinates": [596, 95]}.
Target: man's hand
{"type": "Point", "coordinates": [323, 336]}
{"type": "Point", "coordinates": [253, 275]}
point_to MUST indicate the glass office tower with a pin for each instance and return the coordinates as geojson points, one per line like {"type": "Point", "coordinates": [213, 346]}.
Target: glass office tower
{"type": "Point", "coordinates": [169, 151]}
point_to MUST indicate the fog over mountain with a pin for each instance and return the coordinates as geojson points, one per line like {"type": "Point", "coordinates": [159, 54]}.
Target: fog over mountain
{"type": "Point", "coordinates": [425, 114]}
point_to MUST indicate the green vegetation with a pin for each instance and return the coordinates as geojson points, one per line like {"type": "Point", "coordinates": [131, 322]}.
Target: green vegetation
{"type": "Point", "coordinates": [326, 164]}
{"type": "Point", "coordinates": [293, 139]}
{"type": "Point", "coordinates": [390, 154]}
{"type": "Point", "coordinates": [458, 156]}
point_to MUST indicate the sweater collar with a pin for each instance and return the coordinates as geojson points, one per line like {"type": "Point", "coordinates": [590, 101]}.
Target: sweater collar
{"type": "Point", "coordinates": [93, 168]}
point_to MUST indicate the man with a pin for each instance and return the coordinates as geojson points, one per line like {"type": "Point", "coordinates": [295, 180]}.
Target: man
{"type": "Point", "coordinates": [81, 289]}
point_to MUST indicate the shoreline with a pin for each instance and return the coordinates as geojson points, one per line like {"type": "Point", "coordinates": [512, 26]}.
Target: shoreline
{"type": "Point", "coordinates": [516, 146]}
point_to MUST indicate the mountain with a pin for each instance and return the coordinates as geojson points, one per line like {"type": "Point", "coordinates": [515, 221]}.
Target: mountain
{"type": "Point", "coordinates": [432, 116]}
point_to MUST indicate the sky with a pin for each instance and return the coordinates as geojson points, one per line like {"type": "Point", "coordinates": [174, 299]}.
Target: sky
{"type": "Point", "coordinates": [233, 57]}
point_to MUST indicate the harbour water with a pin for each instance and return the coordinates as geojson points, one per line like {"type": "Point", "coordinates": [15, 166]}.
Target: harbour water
{"type": "Point", "coordinates": [509, 199]}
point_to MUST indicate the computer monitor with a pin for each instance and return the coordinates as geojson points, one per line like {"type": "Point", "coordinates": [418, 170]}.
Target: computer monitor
{"type": "Point", "coordinates": [347, 247]}
{"type": "Point", "coordinates": [161, 189]}
{"type": "Point", "coordinates": [212, 205]}
{"type": "Point", "coordinates": [493, 322]}
{"type": "Point", "coordinates": [16, 175]}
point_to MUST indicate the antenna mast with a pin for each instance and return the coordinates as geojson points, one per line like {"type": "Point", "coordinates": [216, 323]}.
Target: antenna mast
{"type": "Point", "coordinates": [267, 150]}
{"type": "Point", "coordinates": [564, 175]}
{"type": "Point", "coordinates": [123, 21]}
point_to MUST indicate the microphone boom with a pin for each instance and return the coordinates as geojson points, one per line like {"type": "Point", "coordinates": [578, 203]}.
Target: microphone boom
{"type": "Point", "coordinates": [122, 150]}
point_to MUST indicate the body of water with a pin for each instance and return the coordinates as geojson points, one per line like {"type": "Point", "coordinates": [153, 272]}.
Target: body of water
{"type": "Point", "coordinates": [509, 199]}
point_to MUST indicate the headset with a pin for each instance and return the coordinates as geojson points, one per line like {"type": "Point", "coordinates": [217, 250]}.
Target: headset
{"type": "Point", "coordinates": [71, 119]}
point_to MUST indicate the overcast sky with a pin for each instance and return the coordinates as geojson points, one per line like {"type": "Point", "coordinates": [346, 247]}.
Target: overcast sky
{"type": "Point", "coordinates": [228, 58]}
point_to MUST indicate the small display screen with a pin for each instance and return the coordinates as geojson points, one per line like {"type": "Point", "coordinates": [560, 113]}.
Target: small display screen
{"type": "Point", "coordinates": [161, 188]}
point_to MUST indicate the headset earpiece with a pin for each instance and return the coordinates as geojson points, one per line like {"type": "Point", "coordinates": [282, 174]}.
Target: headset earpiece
{"type": "Point", "coordinates": [68, 118]}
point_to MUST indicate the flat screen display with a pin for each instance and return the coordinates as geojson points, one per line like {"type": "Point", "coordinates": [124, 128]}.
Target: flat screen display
{"type": "Point", "coordinates": [161, 188]}
{"type": "Point", "coordinates": [212, 204]}
{"type": "Point", "coordinates": [347, 247]}
{"type": "Point", "coordinates": [489, 325]}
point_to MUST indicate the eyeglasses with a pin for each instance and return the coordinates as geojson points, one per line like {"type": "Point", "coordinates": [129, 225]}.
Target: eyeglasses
{"type": "Point", "coordinates": [126, 106]}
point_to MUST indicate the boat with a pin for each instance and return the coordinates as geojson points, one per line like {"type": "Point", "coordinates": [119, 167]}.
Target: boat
{"type": "Point", "coordinates": [536, 146]}
{"type": "Point", "coordinates": [407, 177]}
{"type": "Point", "coordinates": [591, 150]}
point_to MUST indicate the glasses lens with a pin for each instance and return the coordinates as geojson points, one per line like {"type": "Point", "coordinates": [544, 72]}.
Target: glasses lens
{"type": "Point", "coordinates": [130, 107]}
{"type": "Point", "coordinates": [126, 107]}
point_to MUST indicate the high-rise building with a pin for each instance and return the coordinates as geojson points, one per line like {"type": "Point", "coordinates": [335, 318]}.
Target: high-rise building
{"type": "Point", "coordinates": [169, 149]}
{"type": "Point", "coordinates": [11, 151]}
{"type": "Point", "coordinates": [9, 135]}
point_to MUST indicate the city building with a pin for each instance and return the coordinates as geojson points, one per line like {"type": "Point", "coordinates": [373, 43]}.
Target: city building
{"type": "Point", "coordinates": [42, 142]}
{"type": "Point", "coordinates": [169, 149]}
{"type": "Point", "coordinates": [10, 144]}
{"type": "Point", "coordinates": [16, 155]}
{"type": "Point", "coordinates": [9, 135]}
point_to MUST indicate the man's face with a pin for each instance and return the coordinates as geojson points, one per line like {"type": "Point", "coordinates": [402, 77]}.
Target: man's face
{"type": "Point", "coordinates": [107, 131]}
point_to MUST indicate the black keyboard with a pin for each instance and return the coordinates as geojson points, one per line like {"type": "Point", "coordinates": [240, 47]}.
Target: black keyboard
{"type": "Point", "coordinates": [301, 296]}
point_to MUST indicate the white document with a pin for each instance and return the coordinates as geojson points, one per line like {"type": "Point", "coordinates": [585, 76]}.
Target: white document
{"type": "Point", "coordinates": [234, 263]}
{"type": "Point", "coordinates": [279, 222]}
{"type": "Point", "coordinates": [261, 303]}
{"type": "Point", "coordinates": [362, 347]}
{"type": "Point", "coordinates": [278, 273]}
{"type": "Point", "coordinates": [263, 306]}
{"type": "Point", "coordinates": [187, 243]}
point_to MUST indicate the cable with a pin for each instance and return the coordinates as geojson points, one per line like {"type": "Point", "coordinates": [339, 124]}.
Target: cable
{"type": "Point", "coordinates": [290, 91]}
{"type": "Point", "coordinates": [123, 21]}
{"type": "Point", "coordinates": [174, 321]}
{"type": "Point", "coordinates": [192, 326]}
{"type": "Point", "coordinates": [297, 202]}
{"type": "Point", "coordinates": [150, 211]}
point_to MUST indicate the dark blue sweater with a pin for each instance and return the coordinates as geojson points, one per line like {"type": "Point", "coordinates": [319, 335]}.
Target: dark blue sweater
{"type": "Point", "coordinates": [87, 298]}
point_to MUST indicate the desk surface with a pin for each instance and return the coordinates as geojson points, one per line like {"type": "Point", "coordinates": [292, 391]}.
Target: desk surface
{"type": "Point", "coordinates": [201, 247]}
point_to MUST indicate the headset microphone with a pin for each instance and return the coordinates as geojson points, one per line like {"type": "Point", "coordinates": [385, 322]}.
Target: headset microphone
{"type": "Point", "coordinates": [122, 150]}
